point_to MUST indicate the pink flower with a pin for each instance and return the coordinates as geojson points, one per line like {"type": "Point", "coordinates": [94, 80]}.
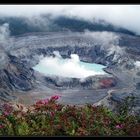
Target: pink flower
{"type": "Point", "coordinates": [1, 126]}
{"type": "Point", "coordinates": [6, 113]}
{"type": "Point", "coordinates": [7, 108]}
{"type": "Point", "coordinates": [39, 102]}
{"type": "Point", "coordinates": [119, 126]}
{"type": "Point", "coordinates": [52, 114]}
{"type": "Point", "coordinates": [44, 102]}
{"type": "Point", "coordinates": [56, 97]}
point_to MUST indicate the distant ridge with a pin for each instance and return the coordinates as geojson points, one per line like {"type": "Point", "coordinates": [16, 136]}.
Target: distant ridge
{"type": "Point", "coordinates": [22, 25]}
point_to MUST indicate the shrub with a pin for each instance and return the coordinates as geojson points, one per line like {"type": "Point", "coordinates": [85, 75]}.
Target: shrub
{"type": "Point", "coordinates": [49, 118]}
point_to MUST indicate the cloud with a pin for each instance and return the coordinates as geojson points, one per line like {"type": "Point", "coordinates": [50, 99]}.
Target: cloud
{"type": "Point", "coordinates": [65, 67]}
{"type": "Point", "coordinates": [38, 22]}
{"type": "Point", "coordinates": [6, 42]}
{"type": "Point", "coordinates": [4, 33]}
{"type": "Point", "coordinates": [126, 16]}
{"type": "Point", "coordinates": [104, 38]}
{"type": "Point", "coordinates": [137, 64]}
{"type": "Point", "coordinates": [109, 42]}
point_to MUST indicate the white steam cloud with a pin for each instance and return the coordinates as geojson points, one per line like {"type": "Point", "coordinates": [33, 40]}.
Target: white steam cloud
{"type": "Point", "coordinates": [5, 39]}
{"type": "Point", "coordinates": [65, 68]}
{"type": "Point", "coordinates": [104, 38]}
{"type": "Point", "coordinates": [126, 16]}
{"type": "Point", "coordinates": [108, 41]}
{"type": "Point", "coordinates": [4, 33]}
{"type": "Point", "coordinates": [137, 64]}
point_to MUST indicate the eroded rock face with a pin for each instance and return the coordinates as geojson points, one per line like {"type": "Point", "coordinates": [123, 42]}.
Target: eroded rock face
{"type": "Point", "coordinates": [107, 82]}
{"type": "Point", "coordinates": [92, 82]}
{"type": "Point", "coordinates": [15, 76]}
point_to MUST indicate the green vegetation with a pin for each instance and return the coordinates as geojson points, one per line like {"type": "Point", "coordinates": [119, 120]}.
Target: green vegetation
{"type": "Point", "coordinates": [49, 118]}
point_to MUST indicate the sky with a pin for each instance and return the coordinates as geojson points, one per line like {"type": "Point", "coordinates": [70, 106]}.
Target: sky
{"type": "Point", "coordinates": [126, 16]}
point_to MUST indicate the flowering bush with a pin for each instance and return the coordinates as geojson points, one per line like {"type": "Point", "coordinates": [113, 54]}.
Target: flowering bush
{"type": "Point", "coordinates": [48, 118]}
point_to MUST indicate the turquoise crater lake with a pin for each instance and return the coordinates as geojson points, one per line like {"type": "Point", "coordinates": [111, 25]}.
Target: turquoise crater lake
{"type": "Point", "coordinates": [72, 67]}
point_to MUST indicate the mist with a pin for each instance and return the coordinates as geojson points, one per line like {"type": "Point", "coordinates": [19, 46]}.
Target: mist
{"type": "Point", "coordinates": [65, 67]}
{"type": "Point", "coordinates": [137, 64]}
{"type": "Point", "coordinates": [109, 42]}
{"type": "Point", "coordinates": [4, 33]}
{"type": "Point", "coordinates": [125, 16]}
